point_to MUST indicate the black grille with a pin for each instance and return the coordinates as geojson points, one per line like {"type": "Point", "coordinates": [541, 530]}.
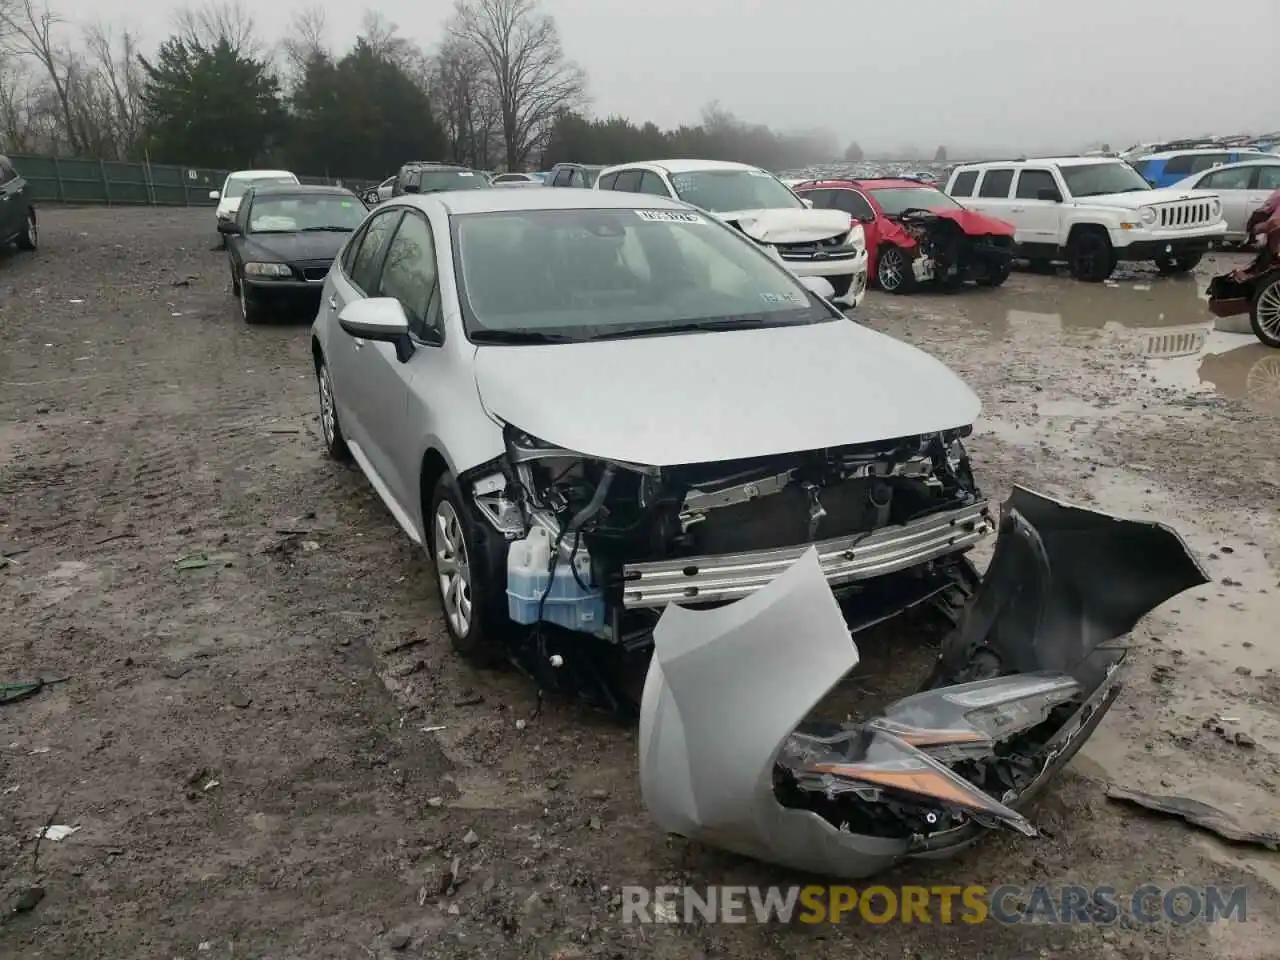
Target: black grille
{"type": "Point", "coordinates": [832, 248]}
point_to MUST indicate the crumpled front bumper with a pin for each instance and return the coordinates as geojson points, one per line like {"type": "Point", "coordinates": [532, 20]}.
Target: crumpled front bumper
{"type": "Point", "coordinates": [724, 759]}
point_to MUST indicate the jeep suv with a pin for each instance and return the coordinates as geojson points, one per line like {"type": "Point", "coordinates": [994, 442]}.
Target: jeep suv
{"type": "Point", "coordinates": [1092, 212]}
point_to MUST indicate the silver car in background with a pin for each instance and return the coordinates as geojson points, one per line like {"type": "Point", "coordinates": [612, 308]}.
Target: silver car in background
{"type": "Point", "coordinates": [1242, 188]}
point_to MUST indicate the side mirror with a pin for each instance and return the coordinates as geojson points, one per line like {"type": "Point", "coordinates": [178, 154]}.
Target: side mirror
{"type": "Point", "coordinates": [214, 194]}
{"type": "Point", "coordinates": [380, 319]}
{"type": "Point", "coordinates": [807, 202]}
{"type": "Point", "coordinates": [819, 286]}
{"type": "Point", "coordinates": [229, 227]}
{"type": "Point", "coordinates": [371, 198]}
{"type": "Point", "coordinates": [412, 188]}
{"type": "Point", "coordinates": [1052, 196]}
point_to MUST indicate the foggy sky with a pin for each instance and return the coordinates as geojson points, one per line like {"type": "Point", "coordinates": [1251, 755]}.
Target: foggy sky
{"type": "Point", "coordinates": [1018, 73]}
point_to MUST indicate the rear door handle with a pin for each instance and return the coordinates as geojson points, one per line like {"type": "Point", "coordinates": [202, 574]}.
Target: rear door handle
{"type": "Point", "coordinates": [1017, 209]}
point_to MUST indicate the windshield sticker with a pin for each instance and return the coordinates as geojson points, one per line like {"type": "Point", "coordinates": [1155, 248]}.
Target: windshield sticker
{"type": "Point", "coordinates": [784, 299]}
{"type": "Point", "coordinates": [465, 173]}
{"type": "Point", "coordinates": [682, 183]}
{"type": "Point", "coordinates": [346, 203]}
{"type": "Point", "coordinates": [669, 216]}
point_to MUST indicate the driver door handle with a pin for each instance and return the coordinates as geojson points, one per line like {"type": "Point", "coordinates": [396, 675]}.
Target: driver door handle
{"type": "Point", "coordinates": [333, 303]}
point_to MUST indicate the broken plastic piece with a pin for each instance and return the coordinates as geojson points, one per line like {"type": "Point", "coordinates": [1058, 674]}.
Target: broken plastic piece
{"type": "Point", "coordinates": [1198, 814]}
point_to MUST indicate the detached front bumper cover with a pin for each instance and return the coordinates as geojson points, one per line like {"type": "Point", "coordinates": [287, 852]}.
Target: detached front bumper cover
{"type": "Point", "coordinates": [1018, 687]}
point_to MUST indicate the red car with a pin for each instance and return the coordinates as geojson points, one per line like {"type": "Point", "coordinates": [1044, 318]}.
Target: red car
{"type": "Point", "coordinates": [917, 234]}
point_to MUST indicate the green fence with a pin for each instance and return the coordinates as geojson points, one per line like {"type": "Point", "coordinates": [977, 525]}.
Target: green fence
{"type": "Point", "coordinates": [70, 180]}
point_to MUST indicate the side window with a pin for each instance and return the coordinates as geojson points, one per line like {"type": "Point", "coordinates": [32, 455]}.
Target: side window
{"type": "Point", "coordinates": [821, 199]}
{"type": "Point", "coordinates": [963, 187]}
{"type": "Point", "coordinates": [1237, 179]}
{"type": "Point", "coordinates": [562, 177]}
{"type": "Point", "coordinates": [1268, 178]}
{"type": "Point", "coordinates": [607, 181]}
{"type": "Point", "coordinates": [650, 182]}
{"type": "Point", "coordinates": [577, 178]}
{"type": "Point", "coordinates": [409, 274]}
{"type": "Point", "coordinates": [1031, 182]}
{"type": "Point", "coordinates": [996, 184]}
{"type": "Point", "coordinates": [351, 250]}
{"type": "Point", "coordinates": [1141, 167]}
{"type": "Point", "coordinates": [1207, 161]}
{"type": "Point", "coordinates": [628, 181]}
{"type": "Point", "coordinates": [1180, 165]}
{"type": "Point", "coordinates": [854, 204]}
{"type": "Point", "coordinates": [364, 269]}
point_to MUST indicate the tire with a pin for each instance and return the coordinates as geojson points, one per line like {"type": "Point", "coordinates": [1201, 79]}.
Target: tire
{"type": "Point", "coordinates": [1178, 263]}
{"type": "Point", "coordinates": [994, 276]}
{"type": "Point", "coordinates": [29, 238]}
{"type": "Point", "coordinates": [893, 270]}
{"type": "Point", "coordinates": [1090, 256]}
{"type": "Point", "coordinates": [476, 628]}
{"type": "Point", "coordinates": [840, 285]}
{"type": "Point", "coordinates": [335, 444]}
{"type": "Point", "coordinates": [250, 312]}
{"type": "Point", "coordinates": [1264, 312]}
{"type": "Point", "coordinates": [235, 282]}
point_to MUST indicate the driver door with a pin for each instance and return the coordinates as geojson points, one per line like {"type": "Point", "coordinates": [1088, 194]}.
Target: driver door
{"type": "Point", "coordinates": [12, 209]}
{"type": "Point", "coordinates": [350, 358]}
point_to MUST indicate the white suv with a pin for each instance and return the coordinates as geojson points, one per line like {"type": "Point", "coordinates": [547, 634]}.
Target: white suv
{"type": "Point", "coordinates": [1091, 212]}
{"type": "Point", "coordinates": [810, 243]}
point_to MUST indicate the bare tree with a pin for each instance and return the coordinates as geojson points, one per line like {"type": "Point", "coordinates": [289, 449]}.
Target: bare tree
{"type": "Point", "coordinates": [462, 101]}
{"type": "Point", "coordinates": [525, 67]}
{"type": "Point", "coordinates": [31, 32]}
{"type": "Point", "coordinates": [306, 40]}
{"type": "Point", "coordinates": [218, 21]}
{"type": "Point", "coordinates": [115, 84]}
{"type": "Point", "coordinates": [384, 39]}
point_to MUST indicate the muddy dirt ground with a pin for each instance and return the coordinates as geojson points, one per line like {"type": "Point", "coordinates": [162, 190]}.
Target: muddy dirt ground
{"type": "Point", "coordinates": [277, 755]}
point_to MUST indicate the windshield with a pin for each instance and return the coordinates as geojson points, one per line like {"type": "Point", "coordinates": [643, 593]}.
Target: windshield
{"type": "Point", "coordinates": [592, 174]}
{"type": "Point", "coordinates": [893, 200]}
{"type": "Point", "coordinates": [723, 191]}
{"type": "Point", "coordinates": [434, 181]}
{"type": "Point", "coordinates": [236, 188]}
{"type": "Point", "coordinates": [289, 214]}
{"type": "Point", "coordinates": [593, 274]}
{"type": "Point", "coordinates": [1097, 179]}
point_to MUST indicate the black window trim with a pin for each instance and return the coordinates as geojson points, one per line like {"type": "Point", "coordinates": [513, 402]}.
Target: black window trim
{"type": "Point", "coordinates": [396, 211]}
{"type": "Point", "coordinates": [438, 294]}
{"type": "Point", "coordinates": [1017, 182]}
{"type": "Point", "coordinates": [626, 170]}
{"type": "Point", "coordinates": [861, 196]}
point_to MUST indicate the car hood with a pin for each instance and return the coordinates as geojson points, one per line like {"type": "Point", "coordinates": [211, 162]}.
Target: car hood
{"type": "Point", "coordinates": [691, 398]}
{"type": "Point", "coordinates": [287, 247]}
{"type": "Point", "coordinates": [1145, 198]}
{"type": "Point", "coordinates": [788, 226]}
{"type": "Point", "coordinates": [976, 224]}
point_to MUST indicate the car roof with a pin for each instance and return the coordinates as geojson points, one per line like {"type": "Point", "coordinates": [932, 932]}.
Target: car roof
{"type": "Point", "coordinates": [1266, 160]}
{"type": "Point", "coordinates": [294, 189]}
{"type": "Point", "coordinates": [1162, 154]}
{"type": "Point", "coordinates": [687, 166]}
{"type": "Point", "coordinates": [462, 202]}
{"type": "Point", "coordinates": [255, 174]}
{"type": "Point", "coordinates": [1041, 161]}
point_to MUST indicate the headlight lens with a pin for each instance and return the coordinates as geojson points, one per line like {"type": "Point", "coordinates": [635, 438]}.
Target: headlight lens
{"type": "Point", "coordinates": [1216, 207]}
{"type": "Point", "coordinates": [1147, 215]}
{"type": "Point", "coordinates": [267, 270]}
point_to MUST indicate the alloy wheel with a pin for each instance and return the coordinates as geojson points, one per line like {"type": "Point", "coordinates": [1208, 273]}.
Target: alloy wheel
{"type": "Point", "coordinates": [33, 231]}
{"type": "Point", "coordinates": [1269, 310]}
{"type": "Point", "coordinates": [452, 568]}
{"type": "Point", "coordinates": [890, 270]}
{"type": "Point", "coordinates": [328, 413]}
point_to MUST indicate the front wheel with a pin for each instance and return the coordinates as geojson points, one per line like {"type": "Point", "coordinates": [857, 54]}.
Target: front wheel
{"type": "Point", "coordinates": [994, 275]}
{"type": "Point", "coordinates": [475, 612]}
{"type": "Point", "coordinates": [29, 238]}
{"type": "Point", "coordinates": [1090, 256]}
{"type": "Point", "coordinates": [1264, 313]}
{"type": "Point", "coordinates": [893, 271]}
{"type": "Point", "coordinates": [250, 310]}
{"type": "Point", "coordinates": [1173, 264]}
{"type": "Point", "coordinates": [335, 444]}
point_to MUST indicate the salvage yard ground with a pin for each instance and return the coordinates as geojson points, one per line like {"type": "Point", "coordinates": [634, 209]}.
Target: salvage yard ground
{"type": "Point", "coordinates": [270, 751]}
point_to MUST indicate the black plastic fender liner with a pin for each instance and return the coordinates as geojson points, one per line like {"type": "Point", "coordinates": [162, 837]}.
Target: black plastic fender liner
{"type": "Point", "coordinates": [1062, 581]}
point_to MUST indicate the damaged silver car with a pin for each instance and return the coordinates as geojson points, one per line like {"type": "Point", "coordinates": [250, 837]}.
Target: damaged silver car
{"type": "Point", "coordinates": [590, 404]}
{"type": "Point", "coordinates": [625, 433]}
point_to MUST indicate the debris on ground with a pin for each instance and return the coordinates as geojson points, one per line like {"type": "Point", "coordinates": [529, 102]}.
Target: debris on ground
{"type": "Point", "coordinates": [1198, 814]}
{"type": "Point", "coordinates": [13, 692]}
{"type": "Point", "coordinates": [28, 899]}
{"type": "Point", "coordinates": [1222, 727]}
{"type": "Point", "coordinates": [57, 831]}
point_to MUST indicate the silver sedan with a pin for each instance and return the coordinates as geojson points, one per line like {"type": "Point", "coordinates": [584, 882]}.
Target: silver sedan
{"type": "Point", "coordinates": [1242, 187]}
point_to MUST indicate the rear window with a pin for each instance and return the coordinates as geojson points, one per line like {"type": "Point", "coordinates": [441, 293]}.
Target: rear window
{"type": "Point", "coordinates": [963, 185]}
{"type": "Point", "coordinates": [435, 181]}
